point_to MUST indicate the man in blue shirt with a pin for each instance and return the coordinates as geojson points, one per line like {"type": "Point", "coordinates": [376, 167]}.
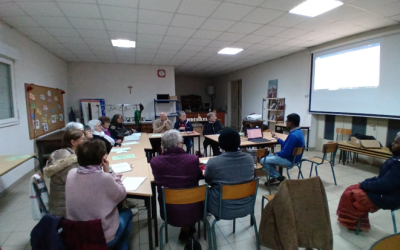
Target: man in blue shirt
{"type": "Point", "coordinates": [285, 156]}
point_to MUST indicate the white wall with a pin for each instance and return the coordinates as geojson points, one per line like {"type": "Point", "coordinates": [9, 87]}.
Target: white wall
{"type": "Point", "coordinates": [111, 81]}
{"type": "Point", "coordinates": [35, 65]}
{"type": "Point", "coordinates": [193, 86]}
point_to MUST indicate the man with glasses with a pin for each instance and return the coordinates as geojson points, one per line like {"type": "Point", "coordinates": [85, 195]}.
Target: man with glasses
{"type": "Point", "coordinates": [285, 156]}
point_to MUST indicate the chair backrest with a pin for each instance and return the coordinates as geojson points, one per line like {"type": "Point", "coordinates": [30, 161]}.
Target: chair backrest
{"type": "Point", "coordinates": [342, 131]}
{"type": "Point", "coordinates": [261, 152]}
{"type": "Point", "coordinates": [329, 148]}
{"type": "Point", "coordinates": [296, 152]}
{"type": "Point", "coordinates": [42, 206]}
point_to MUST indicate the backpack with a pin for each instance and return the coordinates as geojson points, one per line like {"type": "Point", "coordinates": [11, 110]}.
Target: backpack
{"type": "Point", "coordinates": [192, 244]}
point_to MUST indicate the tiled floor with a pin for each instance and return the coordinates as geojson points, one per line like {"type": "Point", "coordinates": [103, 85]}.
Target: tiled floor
{"type": "Point", "coordinates": [16, 222]}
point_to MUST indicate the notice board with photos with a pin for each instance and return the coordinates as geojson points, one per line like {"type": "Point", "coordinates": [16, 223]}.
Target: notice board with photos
{"type": "Point", "coordinates": [45, 109]}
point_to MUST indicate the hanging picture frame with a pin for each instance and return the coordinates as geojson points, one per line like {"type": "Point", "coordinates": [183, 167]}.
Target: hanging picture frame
{"type": "Point", "coordinates": [272, 89]}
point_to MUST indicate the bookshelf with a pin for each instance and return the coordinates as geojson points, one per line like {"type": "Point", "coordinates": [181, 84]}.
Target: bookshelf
{"type": "Point", "coordinates": [276, 111]}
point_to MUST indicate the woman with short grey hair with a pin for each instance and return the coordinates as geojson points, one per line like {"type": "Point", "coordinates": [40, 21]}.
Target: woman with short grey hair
{"type": "Point", "coordinates": [98, 133]}
{"type": "Point", "coordinates": [176, 169]}
{"type": "Point", "coordinates": [74, 125]}
{"type": "Point", "coordinates": [183, 125]}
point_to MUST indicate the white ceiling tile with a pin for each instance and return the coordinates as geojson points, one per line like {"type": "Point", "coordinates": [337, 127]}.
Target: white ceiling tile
{"type": "Point", "coordinates": [269, 30]}
{"type": "Point", "coordinates": [207, 34]}
{"type": "Point", "coordinates": [166, 52]}
{"type": "Point", "coordinates": [71, 40]}
{"type": "Point", "coordinates": [97, 41]}
{"type": "Point", "coordinates": [260, 46]}
{"type": "Point", "coordinates": [161, 56]}
{"type": "Point", "coordinates": [253, 39]}
{"type": "Point", "coordinates": [54, 46]}
{"type": "Point", "coordinates": [231, 37]}
{"type": "Point", "coordinates": [144, 51]}
{"type": "Point", "coordinates": [118, 13]}
{"type": "Point", "coordinates": [289, 20]}
{"type": "Point", "coordinates": [197, 8]}
{"type": "Point", "coordinates": [198, 42]}
{"type": "Point", "coordinates": [312, 35]}
{"type": "Point", "coordinates": [53, 22]}
{"type": "Point", "coordinates": [63, 32]}
{"type": "Point", "coordinates": [80, 10]}
{"type": "Point", "coordinates": [217, 24]}
{"type": "Point", "coordinates": [262, 16]}
{"type": "Point", "coordinates": [192, 48]}
{"type": "Point", "coordinates": [242, 45]}
{"type": "Point", "coordinates": [335, 27]}
{"type": "Point", "coordinates": [284, 5]}
{"type": "Point", "coordinates": [187, 53]}
{"type": "Point", "coordinates": [370, 4]}
{"type": "Point", "coordinates": [160, 5]}
{"type": "Point", "coordinates": [103, 53]}
{"type": "Point", "coordinates": [245, 28]}
{"type": "Point", "coordinates": [247, 2]}
{"type": "Point", "coordinates": [204, 54]}
{"type": "Point", "coordinates": [388, 10]}
{"type": "Point", "coordinates": [120, 3]}
{"type": "Point", "coordinates": [34, 31]}
{"type": "Point", "coordinates": [155, 17]}
{"type": "Point", "coordinates": [313, 23]}
{"type": "Point", "coordinates": [74, 46]}
{"type": "Point", "coordinates": [340, 13]}
{"type": "Point", "coordinates": [148, 45]}
{"type": "Point", "coordinates": [187, 21]}
{"type": "Point", "coordinates": [230, 11]}
{"type": "Point", "coordinates": [87, 33]}
{"type": "Point", "coordinates": [175, 40]}
{"type": "Point", "coordinates": [120, 26]}
{"type": "Point", "coordinates": [217, 44]}
{"type": "Point", "coordinates": [159, 62]}
{"type": "Point", "coordinates": [149, 38]}
{"type": "Point", "coordinates": [87, 23]}
{"type": "Point", "coordinates": [102, 48]}
{"type": "Point", "coordinates": [274, 40]}
{"type": "Point", "coordinates": [20, 21]}
{"type": "Point", "coordinates": [379, 23]}
{"type": "Point", "coordinates": [41, 8]}
{"type": "Point", "coordinates": [397, 18]}
{"type": "Point", "coordinates": [294, 42]}
{"type": "Point", "coordinates": [122, 35]}
{"type": "Point", "coordinates": [171, 46]}
{"type": "Point", "coordinates": [151, 29]}
{"type": "Point", "coordinates": [180, 32]}
{"type": "Point", "coordinates": [10, 9]}
{"type": "Point", "coordinates": [291, 33]}
{"type": "Point", "coordinates": [77, 1]}
{"type": "Point", "coordinates": [43, 39]}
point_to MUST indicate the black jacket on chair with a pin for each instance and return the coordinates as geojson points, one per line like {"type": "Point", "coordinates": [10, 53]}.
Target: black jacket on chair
{"type": "Point", "coordinates": [212, 128]}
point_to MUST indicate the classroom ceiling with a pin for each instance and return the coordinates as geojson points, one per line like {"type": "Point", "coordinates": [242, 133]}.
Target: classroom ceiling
{"type": "Point", "coordinates": [187, 34]}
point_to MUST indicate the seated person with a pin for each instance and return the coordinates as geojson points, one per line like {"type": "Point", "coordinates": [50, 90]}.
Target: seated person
{"type": "Point", "coordinates": [57, 167]}
{"type": "Point", "coordinates": [93, 194]}
{"type": "Point", "coordinates": [95, 125]}
{"type": "Point", "coordinates": [176, 169]}
{"type": "Point", "coordinates": [117, 129]}
{"type": "Point", "coordinates": [285, 156]}
{"type": "Point", "coordinates": [105, 124]}
{"type": "Point", "coordinates": [74, 125]}
{"type": "Point", "coordinates": [182, 124]}
{"type": "Point", "coordinates": [231, 167]}
{"type": "Point", "coordinates": [87, 131]}
{"type": "Point", "coordinates": [382, 192]}
{"type": "Point", "coordinates": [160, 125]}
{"type": "Point", "coordinates": [212, 127]}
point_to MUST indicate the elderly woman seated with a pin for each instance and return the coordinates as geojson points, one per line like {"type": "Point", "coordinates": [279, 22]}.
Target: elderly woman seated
{"type": "Point", "coordinates": [182, 124]}
{"type": "Point", "coordinates": [176, 169]}
{"type": "Point", "coordinates": [117, 128]}
{"type": "Point", "coordinates": [382, 192]}
{"type": "Point", "coordinates": [95, 125]}
{"type": "Point", "coordinates": [231, 167]}
{"type": "Point", "coordinates": [213, 126]}
{"type": "Point", "coordinates": [74, 125]}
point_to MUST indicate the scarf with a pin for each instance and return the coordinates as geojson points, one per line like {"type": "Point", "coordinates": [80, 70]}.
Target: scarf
{"type": "Point", "coordinates": [89, 169]}
{"type": "Point", "coordinates": [102, 134]}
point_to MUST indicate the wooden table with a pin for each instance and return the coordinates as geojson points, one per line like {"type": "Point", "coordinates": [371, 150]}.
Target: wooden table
{"type": "Point", "coordinates": [283, 125]}
{"type": "Point", "coordinates": [49, 143]}
{"type": "Point", "coordinates": [382, 153]}
{"type": "Point", "coordinates": [184, 134]}
{"type": "Point", "coordinates": [9, 162]}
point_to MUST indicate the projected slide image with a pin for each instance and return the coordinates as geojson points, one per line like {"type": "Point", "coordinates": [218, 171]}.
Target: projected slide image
{"type": "Point", "coordinates": [351, 69]}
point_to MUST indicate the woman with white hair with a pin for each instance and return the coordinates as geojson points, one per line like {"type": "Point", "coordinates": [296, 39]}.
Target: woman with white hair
{"type": "Point", "coordinates": [74, 125]}
{"type": "Point", "coordinates": [176, 169]}
{"type": "Point", "coordinates": [98, 133]}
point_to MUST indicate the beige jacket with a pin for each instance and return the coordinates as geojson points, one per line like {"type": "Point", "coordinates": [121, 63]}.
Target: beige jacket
{"type": "Point", "coordinates": [161, 127]}
{"type": "Point", "coordinates": [58, 165]}
{"type": "Point", "coordinates": [297, 216]}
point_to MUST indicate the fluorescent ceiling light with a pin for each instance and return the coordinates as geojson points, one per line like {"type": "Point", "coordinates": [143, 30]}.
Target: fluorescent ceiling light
{"type": "Point", "coordinates": [314, 8]}
{"type": "Point", "coordinates": [229, 51]}
{"type": "Point", "coordinates": [123, 43]}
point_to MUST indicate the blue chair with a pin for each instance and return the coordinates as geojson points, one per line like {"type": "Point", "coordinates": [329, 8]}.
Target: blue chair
{"type": "Point", "coordinates": [184, 196]}
{"type": "Point", "coordinates": [234, 192]}
{"type": "Point", "coordinates": [329, 148]}
{"type": "Point", "coordinates": [393, 219]}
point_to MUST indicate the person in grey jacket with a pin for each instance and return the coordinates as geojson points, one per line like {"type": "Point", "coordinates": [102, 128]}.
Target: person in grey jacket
{"type": "Point", "coordinates": [231, 167]}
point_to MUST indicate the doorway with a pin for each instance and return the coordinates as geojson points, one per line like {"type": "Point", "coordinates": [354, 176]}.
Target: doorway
{"type": "Point", "coordinates": [236, 105]}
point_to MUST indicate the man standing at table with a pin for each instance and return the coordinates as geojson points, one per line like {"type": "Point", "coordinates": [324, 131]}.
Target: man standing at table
{"type": "Point", "coordinates": [285, 156]}
{"type": "Point", "coordinates": [160, 125]}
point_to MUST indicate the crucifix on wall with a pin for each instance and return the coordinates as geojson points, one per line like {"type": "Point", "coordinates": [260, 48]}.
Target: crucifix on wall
{"type": "Point", "coordinates": [130, 89]}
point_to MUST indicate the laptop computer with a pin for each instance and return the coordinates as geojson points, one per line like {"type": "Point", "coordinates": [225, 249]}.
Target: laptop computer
{"type": "Point", "coordinates": [255, 135]}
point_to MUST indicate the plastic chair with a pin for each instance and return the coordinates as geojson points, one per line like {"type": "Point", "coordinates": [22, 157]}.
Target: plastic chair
{"type": "Point", "coordinates": [329, 148]}
{"type": "Point", "coordinates": [234, 192]}
{"type": "Point", "coordinates": [391, 242]}
{"type": "Point", "coordinates": [393, 219]}
{"type": "Point", "coordinates": [266, 197]}
{"type": "Point", "coordinates": [343, 131]}
{"type": "Point", "coordinates": [183, 197]}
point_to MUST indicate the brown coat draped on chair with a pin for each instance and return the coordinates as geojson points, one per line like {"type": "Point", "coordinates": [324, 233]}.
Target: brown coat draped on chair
{"type": "Point", "coordinates": [297, 216]}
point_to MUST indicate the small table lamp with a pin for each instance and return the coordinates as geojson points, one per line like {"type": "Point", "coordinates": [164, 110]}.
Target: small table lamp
{"type": "Point", "coordinates": [210, 91]}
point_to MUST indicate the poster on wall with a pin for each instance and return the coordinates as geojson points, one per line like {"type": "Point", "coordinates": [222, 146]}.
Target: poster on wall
{"type": "Point", "coordinates": [97, 109]}
{"type": "Point", "coordinates": [272, 88]}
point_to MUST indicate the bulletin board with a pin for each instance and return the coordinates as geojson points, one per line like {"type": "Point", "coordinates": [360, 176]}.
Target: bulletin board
{"type": "Point", "coordinates": [45, 109]}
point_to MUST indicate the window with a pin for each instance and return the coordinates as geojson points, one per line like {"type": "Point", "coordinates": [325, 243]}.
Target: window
{"type": "Point", "coordinates": [8, 109]}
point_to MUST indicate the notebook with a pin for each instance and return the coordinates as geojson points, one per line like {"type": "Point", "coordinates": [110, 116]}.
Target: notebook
{"type": "Point", "coordinates": [121, 167]}
{"type": "Point", "coordinates": [255, 135]}
{"type": "Point", "coordinates": [133, 183]}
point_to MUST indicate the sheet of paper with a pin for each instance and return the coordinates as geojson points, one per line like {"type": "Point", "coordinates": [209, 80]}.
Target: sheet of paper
{"type": "Point", "coordinates": [130, 143]}
{"type": "Point", "coordinates": [156, 135]}
{"type": "Point", "coordinates": [133, 137]}
{"type": "Point", "coordinates": [133, 183]}
{"type": "Point", "coordinates": [121, 167]}
{"type": "Point", "coordinates": [122, 157]}
{"type": "Point", "coordinates": [116, 150]}
{"type": "Point", "coordinates": [204, 161]}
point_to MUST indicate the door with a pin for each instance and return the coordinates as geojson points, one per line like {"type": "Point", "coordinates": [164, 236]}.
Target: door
{"type": "Point", "coordinates": [236, 105]}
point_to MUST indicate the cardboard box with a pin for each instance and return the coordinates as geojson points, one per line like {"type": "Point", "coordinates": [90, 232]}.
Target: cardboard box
{"type": "Point", "coordinates": [173, 97]}
{"type": "Point", "coordinates": [365, 143]}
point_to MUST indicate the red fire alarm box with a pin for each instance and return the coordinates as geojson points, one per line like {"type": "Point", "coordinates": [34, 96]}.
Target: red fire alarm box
{"type": "Point", "coordinates": [161, 73]}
